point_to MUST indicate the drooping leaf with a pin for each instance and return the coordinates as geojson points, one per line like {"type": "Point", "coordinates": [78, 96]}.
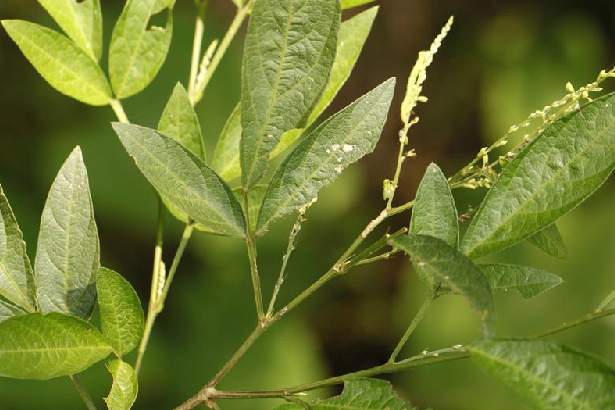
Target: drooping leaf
{"type": "Point", "coordinates": [348, 4]}
{"type": "Point", "coordinates": [321, 157]}
{"type": "Point", "coordinates": [138, 51]}
{"type": "Point", "coordinates": [41, 347]}
{"type": "Point", "coordinates": [125, 386]}
{"type": "Point", "coordinates": [121, 314]}
{"type": "Point", "coordinates": [16, 277]}
{"type": "Point", "coordinates": [289, 50]}
{"type": "Point", "coordinates": [434, 214]}
{"type": "Point", "coordinates": [255, 199]}
{"type": "Point", "coordinates": [552, 175]}
{"type": "Point", "coordinates": [529, 282]}
{"type": "Point", "coordinates": [359, 394]}
{"type": "Point", "coordinates": [68, 252]}
{"type": "Point", "coordinates": [81, 21]}
{"type": "Point", "coordinates": [60, 62]}
{"type": "Point", "coordinates": [179, 121]}
{"type": "Point", "coordinates": [547, 376]}
{"type": "Point", "coordinates": [550, 240]}
{"type": "Point", "coordinates": [183, 179]}
{"type": "Point", "coordinates": [455, 270]}
{"type": "Point", "coordinates": [352, 36]}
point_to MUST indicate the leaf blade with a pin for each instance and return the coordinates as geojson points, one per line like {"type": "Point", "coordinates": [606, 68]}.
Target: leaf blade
{"type": "Point", "coordinates": [125, 387]}
{"type": "Point", "coordinates": [550, 241]}
{"type": "Point", "coordinates": [348, 4]}
{"type": "Point", "coordinates": [529, 282]}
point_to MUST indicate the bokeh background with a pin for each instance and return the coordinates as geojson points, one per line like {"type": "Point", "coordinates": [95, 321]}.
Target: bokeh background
{"type": "Point", "coordinates": [501, 61]}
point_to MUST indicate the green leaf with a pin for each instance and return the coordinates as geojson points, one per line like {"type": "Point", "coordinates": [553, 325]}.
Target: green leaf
{"type": "Point", "coordinates": [320, 158]}
{"type": "Point", "coordinates": [289, 50]}
{"type": "Point", "coordinates": [183, 179]}
{"type": "Point", "coordinates": [547, 376]}
{"type": "Point", "coordinates": [137, 51]}
{"type": "Point", "coordinates": [81, 21]}
{"type": "Point", "coordinates": [455, 270]}
{"type": "Point", "coordinates": [255, 199]}
{"type": "Point", "coordinates": [434, 214]}
{"type": "Point", "coordinates": [529, 282]}
{"type": "Point", "coordinates": [60, 62]}
{"type": "Point", "coordinates": [359, 394]}
{"type": "Point", "coordinates": [125, 386]}
{"type": "Point", "coordinates": [551, 176]}
{"type": "Point", "coordinates": [9, 309]}
{"type": "Point", "coordinates": [550, 240]}
{"type": "Point", "coordinates": [121, 314]}
{"type": "Point", "coordinates": [16, 277]}
{"type": "Point", "coordinates": [180, 122]}
{"type": "Point", "coordinates": [352, 36]}
{"type": "Point", "coordinates": [41, 347]}
{"type": "Point", "coordinates": [348, 4]}
{"type": "Point", "coordinates": [68, 252]}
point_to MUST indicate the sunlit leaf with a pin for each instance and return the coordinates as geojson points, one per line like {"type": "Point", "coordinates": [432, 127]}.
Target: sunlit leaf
{"type": "Point", "coordinates": [125, 386]}
{"type": "Point", "coordinates": [348, 4]}
{"type": "Point", "coordinates": [529, 282]}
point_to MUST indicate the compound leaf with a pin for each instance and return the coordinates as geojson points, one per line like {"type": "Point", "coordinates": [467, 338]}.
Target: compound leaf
{"type": "Point", "coordinates": [68, 252]}
{"type": "Point", "coordinates": [16, 276]}
{"type": "Point", "coordinates": [81, 21]}
{"type": "Point", "coordinates": [138, 51]}
{"type": "Point", "coordinates": [320, 158]}
{"type": "Point", "coordinates": [359, 394]}
{"type": "Point", "coordinates": [121, 314]}
{"type": "Point", "coordinates": [41, 347]}
{"type": "Point", "coordinates": [547, 376]}
{"type": "Point", "coordinates": [455, 270]}
{"type": "Point", "coordinates": [529, 282]}
{"type": "Point", "coordinates": [289, 51]}
{"type": "Point", "coordinates": [550, 240]}
{"type": "Point", "coordinates": [60, 62]}
{"type": "Point", "coordinates": [434, 214]}
{"type": "Point", "coordinates": [125, 386]}
{"type": "Point", "coordinates": [183, 179]}
{"type": "Point", "coordinates": [551, 176]}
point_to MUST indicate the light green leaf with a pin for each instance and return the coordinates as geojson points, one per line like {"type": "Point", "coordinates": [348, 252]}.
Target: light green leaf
{"type": "Point", "coordinates": [81, 21]}
{"type": "Point", "coordinates": [359, 394]}
{"type": "Point", "coordinates": [137, 51]}
{"type": "Point", "coordinates": [550, 240]}
{"type": "Point", "coordinates": [16, 277]}
{"type": "Point", "coordinates": [180, 122]}
{"type": "Point", "coordinates": [289, 50]}
{"type": "Point", "coordinates": [42, 347]}
{"type": "Point", "coordinates": [255, 199]}
{"type": "Point", "coordinates": [434, 214]}
{"type": "Point", "coordinates": [60, 62]}
{"type": "Point", "coordinates": [8, 309]}
{"type": "Point", "coordinates": [68, 252]}
{"type": "Point", "coordinates": [348, 4]}
{"type": "Point", "coordinates": [125, 386]}
{"type": "Point", "coordinates": [352, 36]}
{"type": "Point", "coordinates": [529, 282]}
{"type": "Point", "coordinates": [320, 158]}
{"type": "Point", "coordinates": [453, 269]}
{"type": "Point", "coordinates": [121, 314]}
{"type": "Point", "coordinates": [551, 176]}
{"type": "Point", "coordinates": [238, 3]}
{"type": "Point", "coordinates": [547, 376]}
{"type": "Point", "coordinates": [183, 179]}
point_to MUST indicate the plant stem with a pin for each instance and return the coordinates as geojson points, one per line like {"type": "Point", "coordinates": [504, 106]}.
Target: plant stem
{"type": "Point", "coordinates": [382, 257]}
{"type": "Point", "coordinates": [415, 322]}
{"type": "Point", "coordinates": [174, 265]}
{"type": "Point", "coordinates": [199, 28]}
{"type": "Point", "coordinates": [85, 396]}
{"type": "Point", "coordinates": [251, 244]}
{"type": "Point", "coordinates": [606, 302]}
{"type": "Point", "coordinates": [118, 109]}
{"type": "Point", "coordinates": [597, 314]}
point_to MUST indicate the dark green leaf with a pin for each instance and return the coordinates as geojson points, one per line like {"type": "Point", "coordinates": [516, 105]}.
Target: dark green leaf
{"type": "Point", "coordinates": [138, 51]}
{"type": "Point", "coordinates": [60, 62]}
{"type": "Point", "coordinates": [359, 394]}
{"type": "Point", "coordinates": [550, 240]}
{"type": "Point", "coordinates": [121, 314]}
{"type": "Point", "coordinates": [68, 252]}
{"type": "Point", "coordinates": [183, 179]}
{"type": "Point", "coordinates": [125, 386]}
{"type": "Point", "coordinates": [289, 51]}
{"type": "Point", "coordinates": [434, 214]}
{"type": "Point", "coordinates": [321, 157]}
{"type": "Point", "coordinates": [547, 376]}
{"type": "Point", "coordinates": [16, 277]}
{"type": "Point", "coordinates": [551, 176]}
{"type": "Point", "coordinates": [455, 270]}
{"type": "Point", "coordinates": [529, 282]}
{"type": "Point", "coordinates": [42, 347]}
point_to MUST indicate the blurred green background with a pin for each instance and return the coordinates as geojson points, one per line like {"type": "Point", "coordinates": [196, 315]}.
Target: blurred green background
{"type": "Point", "coordinates": [501, 61]}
